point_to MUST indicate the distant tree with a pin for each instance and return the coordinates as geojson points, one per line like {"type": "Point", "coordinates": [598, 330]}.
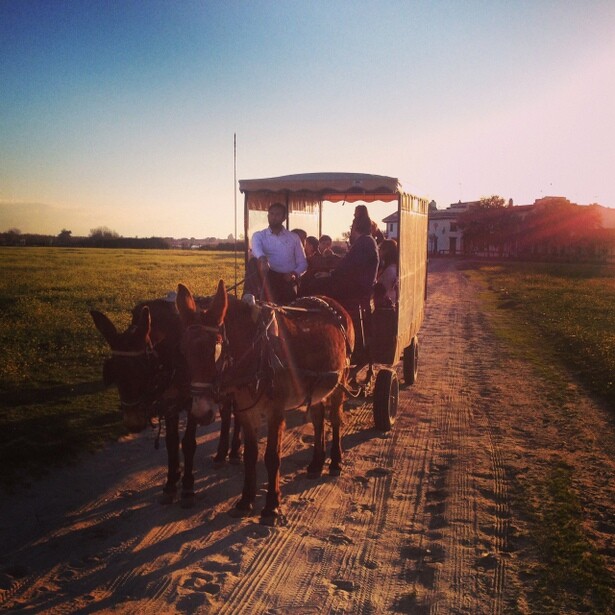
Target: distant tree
{"type": "Point", "coordinates": [231, 237]}
{"type": "Point", "coordinates": [486, 226]}
{"type": "Point", "coordinates": [491, 202]}
{"type": "Point", "coordinates": [64, 237]}
{"type": "Point", "coordinates": [103, 232]}
{"type": "Point", "coordinates": [557, 227]}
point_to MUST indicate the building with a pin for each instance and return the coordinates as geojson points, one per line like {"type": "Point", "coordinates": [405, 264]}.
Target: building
{"type": "Point", "coordinates": [445, 237]}
{"type": "Point", "coordinates": [391, 222]}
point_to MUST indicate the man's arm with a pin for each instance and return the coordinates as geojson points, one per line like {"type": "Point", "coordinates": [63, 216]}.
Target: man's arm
{"type": "Point", "coordinates": [257, 245]}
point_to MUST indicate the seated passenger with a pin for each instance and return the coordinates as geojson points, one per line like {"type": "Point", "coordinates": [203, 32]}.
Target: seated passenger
{"type": "Point", "coordinates": [311, 248]}
{"type": "Point", "coordinates": [301, 234]}
{"type": "Point", "coordinates": [325, 261]}
{"type": "Point", "coordinates": [352, 281]}
{"type": "Point", "coordinates": [320, 263]}
{"type": "Point", "coordinates": [387, 273]}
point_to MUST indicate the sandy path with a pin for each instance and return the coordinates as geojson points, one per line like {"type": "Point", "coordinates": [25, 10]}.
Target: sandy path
{"type": "Point", "coordinates": [421, 520]}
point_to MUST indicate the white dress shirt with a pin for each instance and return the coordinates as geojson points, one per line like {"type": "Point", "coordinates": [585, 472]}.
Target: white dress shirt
{"type": "Point", "coordinates": [283, 251]}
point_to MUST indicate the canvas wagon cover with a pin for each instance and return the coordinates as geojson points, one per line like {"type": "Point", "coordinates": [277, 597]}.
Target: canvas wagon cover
{"type": "Point", "coordinates": [323, 183]}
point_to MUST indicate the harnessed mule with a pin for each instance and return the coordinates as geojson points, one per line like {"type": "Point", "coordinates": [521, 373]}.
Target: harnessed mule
{"type": "Point", "coordinates": [269, 359]}
{"type": "Point", "coordinates": [150, 373]}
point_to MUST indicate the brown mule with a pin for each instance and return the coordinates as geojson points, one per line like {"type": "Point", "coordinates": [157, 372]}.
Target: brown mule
{"type": "Point", "coordinates": [149, 372]}
{"type": "Point", "coordinates": [269, 359]}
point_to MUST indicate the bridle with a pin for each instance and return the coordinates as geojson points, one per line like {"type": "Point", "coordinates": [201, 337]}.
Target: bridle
{"type": "Point", "coordinates": [153, 366]}
{"type": "Point", "coordinates": [198, 388]}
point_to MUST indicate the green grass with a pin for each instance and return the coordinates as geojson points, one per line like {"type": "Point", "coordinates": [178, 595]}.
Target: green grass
{"type": "Point", "coordinates": [570, 309]}
{"type": "Point", "coordinates": [52, 405]}
{"type": "Point", "coordinates": [571, 576]}
{"type": "Point", "coordinates": [561, 319]}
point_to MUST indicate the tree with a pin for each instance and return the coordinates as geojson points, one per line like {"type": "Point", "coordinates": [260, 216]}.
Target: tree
{"type": "Point", "coordinates": [103, 232]}
{"type": "Point", "coordinates": [64, 237]}
{"type": "Point", "coordinates": [491, 202]}
{"type": "Point", "coordinates": [556, 227]}
{"type": "Point", "coordinates": [486, 225]}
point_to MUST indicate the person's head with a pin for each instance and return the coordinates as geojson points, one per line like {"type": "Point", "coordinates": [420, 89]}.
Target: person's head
{"type": "Point", "coordinates": [311, 246]}
{"type": "Point", "coordinates": [388, 252]}
{"type": "Point", "coordinates": [362, 226]}
{"type": "Point", "coordinates": [360, 211]}
{"type": "Point", "coordinates": [301, 234]}
{"type": "Point", "coordinates": [324, 243]}
{"type": "Point", "coordinates": [276, 214]}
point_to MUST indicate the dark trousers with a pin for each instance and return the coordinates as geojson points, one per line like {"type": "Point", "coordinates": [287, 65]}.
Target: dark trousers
{"type": "Point", "coordinates": [278, 290]}
{"type": "Point", "coordinates": [272, 287]}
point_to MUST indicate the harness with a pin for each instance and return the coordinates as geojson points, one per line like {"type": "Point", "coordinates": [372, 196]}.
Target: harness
{"type": "Point", "coordinates": [200, 388]}
{"type": "Point", "coordinates": [264, 353]}
{"type": "Point", "coordinates": [152, 360]}
{"type": "Point", "coordinates": [155, 385]}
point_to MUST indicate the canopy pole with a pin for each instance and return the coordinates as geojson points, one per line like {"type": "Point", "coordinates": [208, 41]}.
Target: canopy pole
{"type": "Point", "coordinates": [235, 204]}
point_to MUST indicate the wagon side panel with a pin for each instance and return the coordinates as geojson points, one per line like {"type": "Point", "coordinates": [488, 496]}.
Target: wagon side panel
{"type": "Point", "coordinates": [412, 268]}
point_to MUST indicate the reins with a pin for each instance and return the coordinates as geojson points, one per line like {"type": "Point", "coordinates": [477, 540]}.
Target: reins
{"type": "Point", "coordinates": [268, 359]}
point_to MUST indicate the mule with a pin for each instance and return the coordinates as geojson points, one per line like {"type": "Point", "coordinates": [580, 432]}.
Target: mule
{"type": "Point", "coordinates": [149, 371]}
{"type": "Point", "coordinates": [269, 359]}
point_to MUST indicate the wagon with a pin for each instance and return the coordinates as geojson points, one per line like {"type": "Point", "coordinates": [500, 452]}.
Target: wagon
{"type": "Point", "coordinates": [393, 332]}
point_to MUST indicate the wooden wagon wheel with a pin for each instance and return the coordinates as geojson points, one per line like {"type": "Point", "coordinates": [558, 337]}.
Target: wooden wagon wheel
{"type": "Point", "coordinates": [411, 361]}
{"type": "Point", "coordinates": [386, 396]}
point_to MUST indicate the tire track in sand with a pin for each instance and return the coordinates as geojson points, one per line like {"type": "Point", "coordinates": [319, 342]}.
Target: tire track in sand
{"type": "Point", "coordinates": [269, 568]}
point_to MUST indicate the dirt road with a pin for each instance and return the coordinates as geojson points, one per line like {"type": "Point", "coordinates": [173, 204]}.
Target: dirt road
{"type": "Point", "coordinates": [421, 521]}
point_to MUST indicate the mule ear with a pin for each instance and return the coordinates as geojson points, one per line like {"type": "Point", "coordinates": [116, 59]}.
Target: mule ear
{"type": "Point", "coordinates": [185, 303]}
{"type": "Point", "coordinates": [104, 325]}
{"type": "Point", "coordinates": [144, 322]}
{"type": "Point", "coordinates": [219, 305]}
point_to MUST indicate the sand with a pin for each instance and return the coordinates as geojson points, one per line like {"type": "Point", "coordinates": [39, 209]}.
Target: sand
{"type": "Point", "coordinates": [422, 519]}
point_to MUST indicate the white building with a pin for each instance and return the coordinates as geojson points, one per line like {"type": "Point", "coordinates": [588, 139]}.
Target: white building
{"type": "Point", "coordinates": [444, 236]}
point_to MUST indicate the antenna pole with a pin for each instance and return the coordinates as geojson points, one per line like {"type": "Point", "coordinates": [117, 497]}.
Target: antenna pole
{"type": "Point", "coordinates": [235, 201]}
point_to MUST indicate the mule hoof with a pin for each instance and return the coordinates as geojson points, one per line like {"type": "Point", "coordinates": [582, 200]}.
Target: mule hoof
{"type": "Point", "coordinates": [166, 498]}
{"type": "Point", "coordinates": [314, 473]}
{"type": "Point", "coordinates": [235, 460]}
{"type": "Point", "coordinates": [241, 510]}
{"type": "Point", "coordinates": [273, 518]}
{"type": "Point", "coordinates": [188, 500]}
{"type": "Point", "coordinates": [334, 471]}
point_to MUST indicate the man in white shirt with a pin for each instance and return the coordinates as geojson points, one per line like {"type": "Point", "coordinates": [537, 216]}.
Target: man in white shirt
{"type": "Point", "coordinates": [281, 258]}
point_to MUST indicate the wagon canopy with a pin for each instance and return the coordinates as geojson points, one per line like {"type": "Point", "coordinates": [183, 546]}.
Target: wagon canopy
{"type": "Point", "coordinates": [305, 191]}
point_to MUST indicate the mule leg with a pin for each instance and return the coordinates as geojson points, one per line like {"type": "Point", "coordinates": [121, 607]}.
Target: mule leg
{"type": "Point", "coordinates": [188, 450]}
{"type": "Point", "coordinates": [317, 411]}
{"type": "Point", "coordinates": [337, 404]}
{"type": "Point", "coordinates": [275, 431]}
{"type": "Point", "coordinates": [171, 440]}
{"type": "Point", "coordinates": [250, 423]}
{"type": "Point", "coordinates": [226, 410]}
{"type": "Point", "coordinates": [235, 454]}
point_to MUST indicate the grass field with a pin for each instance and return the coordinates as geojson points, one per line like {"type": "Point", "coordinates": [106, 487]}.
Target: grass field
{"type": "Point", "coordinates": [53, 404]}
{"type": "Point", "coordinates": [567, 310]}
{"type": "Point", "coordinates": [561, 320]}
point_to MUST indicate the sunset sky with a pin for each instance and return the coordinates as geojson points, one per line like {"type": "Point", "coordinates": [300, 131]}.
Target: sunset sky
{"type": "Point", "coordinates": [121, 113]}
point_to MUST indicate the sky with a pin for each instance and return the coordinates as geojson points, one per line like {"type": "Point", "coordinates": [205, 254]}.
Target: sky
{"type": "Point", "coordinates": [122, 113]}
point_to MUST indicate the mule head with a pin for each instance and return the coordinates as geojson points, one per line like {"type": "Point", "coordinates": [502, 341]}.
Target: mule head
{"type": "Point", "coordinates": [201, 347]}
{"type": "Point", "coordinates": [128, 367]}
